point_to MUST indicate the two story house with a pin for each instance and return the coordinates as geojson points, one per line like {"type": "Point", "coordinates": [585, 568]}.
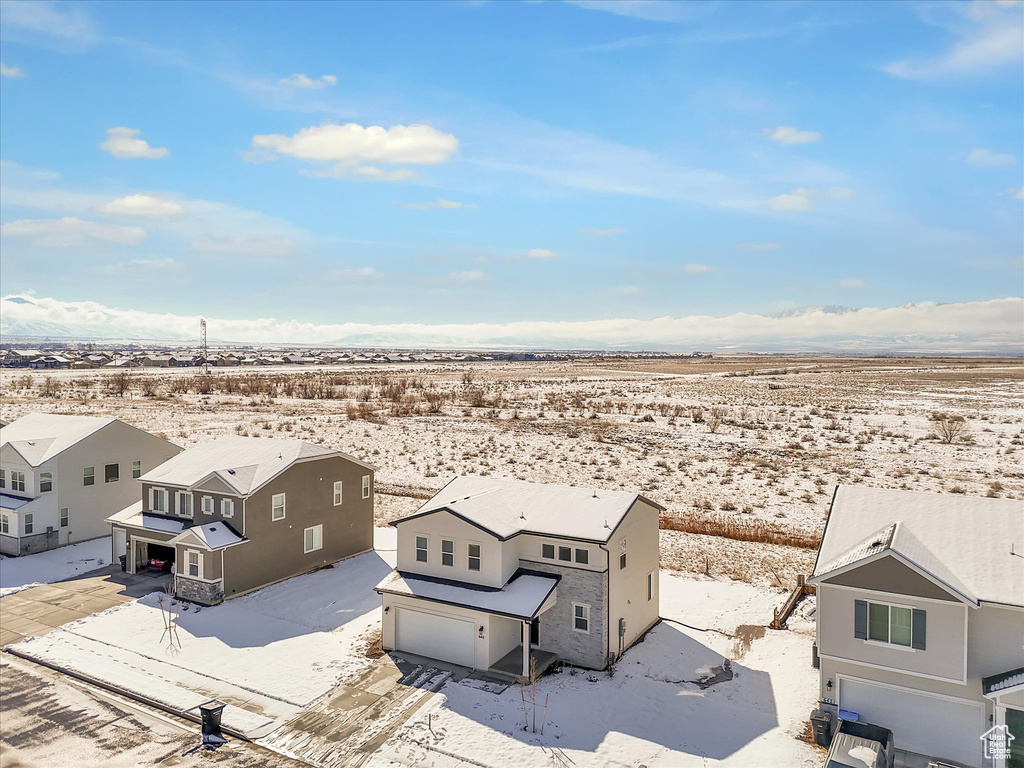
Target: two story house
{"type": "Point", "coordinates": [491, 573]}
{"type": "Point", "coordinates": [920, 616]}
{"type": "Point", "coordinates": [61, 476]}
{"type": "Point", "coordinates": [239, 513]}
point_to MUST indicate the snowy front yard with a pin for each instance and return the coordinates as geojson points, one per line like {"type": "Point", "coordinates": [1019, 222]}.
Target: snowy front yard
{"type": "Point", "coordinates": [18, 573]}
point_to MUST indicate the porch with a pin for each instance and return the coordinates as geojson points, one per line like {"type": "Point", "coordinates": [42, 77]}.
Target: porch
{"type": "Point", "coordinates": [512, 663]}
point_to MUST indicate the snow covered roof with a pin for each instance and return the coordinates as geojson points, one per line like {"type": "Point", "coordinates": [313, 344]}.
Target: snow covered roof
{"type": "Point", "coordinates": [134, 516]}
{"type": "Point", "coordinates": [522, 596]}
{"type": "Point", "coordinates": [1003, 682]}
{"type": "Point", "coordinates": [962, 542]}
{"type": "Point", "coordinates": [12, 502]}
{"type": "Point", "coordinates": [244, 464]}
{"type": "Point", "coordinates": [507, 508]}
{"type": "Point", "coordinates": [212, 535]}
{"type": "Point", "coordinates": [38, 437]}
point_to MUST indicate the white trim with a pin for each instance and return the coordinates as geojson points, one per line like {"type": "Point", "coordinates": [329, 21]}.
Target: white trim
{"type": "Point", "coordinates": [443, 553]}
{"type": "Point", "coordinates": [902, 594]}
{"type": "Point", "coordinates": [180, 497]}
{"type": "Point", "coordinates": [225, 506]}
{"type": "Point", "coordinates": [898, 670]}
{"type": "Point", "coordinates": [889, 643]}
{"type": "Point", "coordinates": [960, 597]}
{"type": "Point", "coordinates": [479, 558]}
{"type": "Point", "coordinates": [416, 547]}
{"type": "Point", "coordinates": [273, 507]}
{"type": "Point", "coordinates": [955, 699]}
{"type": "Point", "coordinates": [207, 508]}
{"type": "Point", "coordinates": [152, 500]}
{"type": "Point", "coordinates": [188, 564]}
{"type": "Point", "coordinates": [317, 529]}
{"type": "Point", "coordinates": [581, 605]}
{"type": "Point", "coordinates": [366, 486]}
{"type": "Point", "coordinates": [196, 578]}
{"type": "Point", "coordinates": [61, 517]}
{"type": "Point", "coordinates": [339, 487]}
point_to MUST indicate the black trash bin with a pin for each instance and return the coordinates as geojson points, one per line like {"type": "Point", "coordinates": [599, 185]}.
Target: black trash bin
{"type": "Point", "coordinates": [211, 712]}
{"type": "Point", "coordinates": [821, 724]}
{"type": "Point", "coordinates": [124, 562]}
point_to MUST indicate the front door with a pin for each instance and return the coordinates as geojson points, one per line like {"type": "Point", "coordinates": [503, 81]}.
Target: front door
{"type": "Point", "coordinates": [535, 632]}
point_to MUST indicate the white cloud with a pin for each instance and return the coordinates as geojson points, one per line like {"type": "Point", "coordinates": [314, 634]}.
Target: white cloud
{"type": "Point", "coordinates": [787, 134]}
{"type": "Point", "coordinates": [986, 158]}
{"type": "Point", "coordinates": [6, 71]}
{"type": "Point", "coordinates": [758, 246]}
{"type": "Point", "coordinates": [603, 232]}
{"type": "Point", "coordinates": [68, 22]}
{"type": "Point", "coordinates": [309, 83]}
{"type": "Point", "coordinates": [991, 38]}
{"type": "Point", "coordinates": [141, 205]}
{"type": "Point", "coordinates": [797, 200]}
{"type": "Point", "coordinates": [648, 10]}
{"type": "Point", "coordinates": [471, 276]}
{"type": "Point", "coordinates": [442, 204]}
{"type": "Point", "coordinates": [144, 264]}
{"type": "Point", "coordinates": [123, 142]}
{"type": "Point", "coordinates": [358, 275]}
{"type": "Point", "coordinates": [989, 326]}
{"type": "Point", "coordinates": [1017, 193]}
{"type": "Point", "coordinates": [71, 232]}
{"type": "Point", "coordinates": [353, 149]}
{"type": "Point", "coordinates": [259, 247]}
{"type": "Point", "coordinates": [541, 254]}
{"type": "Point", "coordinates": [853, 282]}
{"type": "Point", "coordinates": [698, 269]}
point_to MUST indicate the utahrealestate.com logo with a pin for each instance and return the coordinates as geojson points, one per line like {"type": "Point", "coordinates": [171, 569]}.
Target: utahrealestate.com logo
{"type": "Point", "coordinates": [997, 742]}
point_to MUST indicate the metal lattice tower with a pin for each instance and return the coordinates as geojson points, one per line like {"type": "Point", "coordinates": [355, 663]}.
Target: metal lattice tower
{"type": "Point", "coordinates": [202, 338]}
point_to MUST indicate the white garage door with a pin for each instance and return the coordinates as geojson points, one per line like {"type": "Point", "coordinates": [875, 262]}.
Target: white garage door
{"type": "Point", "coordinates": [930, 725]}
{"type": "Point", "coordinates": [436, 637]}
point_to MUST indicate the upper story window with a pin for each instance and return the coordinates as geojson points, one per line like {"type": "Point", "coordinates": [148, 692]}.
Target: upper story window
{"type": "Point", "coordinates": [111, 473]}
{"type": "Point", "coordinates": [207, 505]}
{"type": "Point", "coordinates": [337, 493]}
{"type": "Point", "coordinates": [277, 506]}
{"type": "Point", "coordinates": [447, 552]}
{"type": "Point", "coordinates": [583, 556]}
{"type": "Point", "coordinates": [136, 469]}
{"type": "Point", "coordinates": [45, 482]}
{"type": "Point", "coordinates": [548, 551]}
{"type": "Point", "coordinates": [565, 553]}
{"type": "Point", "coordinates": [185, 503]}
{"type": "Point", "coordinates": [893, 624]}
{"type": "Point", "coordinates": [622, 554]}
{"type": "Point", "coordinates": [474, 557]}
{"type": "Point", "coordinates": [17, 481]}
{"type": "Point", "coordinates": [158, 500]}
{"type": "Point", "coordinates": [227, 508]}
{"type": "Point", "coordinates": [3, 478]}
{"type": "Point", "coordinates": [366, 486]}
{"type": "Point", "coordinates": [421, 549]}
{"type": "Point", "coordinates": [89, 476]}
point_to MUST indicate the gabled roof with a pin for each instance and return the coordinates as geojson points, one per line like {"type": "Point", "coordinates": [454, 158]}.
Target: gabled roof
{"type": "Point", "coordinates": [963, 543]}
{"type": "Point", "coordinates": [38, 437]}
{"type": "Point", "coordinates": [522, 597]}
{"type": "Point", "coordinates": [244, 464]}
{"type": "Point", "coordinates": [213, 536]}
{"type": "Point", "coordinates": [133, 516]}
{"type": "Point", "coordinates": [506, 508]}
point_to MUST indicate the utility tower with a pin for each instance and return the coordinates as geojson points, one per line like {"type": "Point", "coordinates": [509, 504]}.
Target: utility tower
{"type": "Point", "coordinates": [202, 339]}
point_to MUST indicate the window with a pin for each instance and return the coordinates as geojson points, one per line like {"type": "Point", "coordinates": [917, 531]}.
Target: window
{"type": "Point", "coordinates": [565, 553]}
{"type": "Point", "coordinates": [337, 493]}
{"type": "Point", "coordinates": [64, 517]}
{"type": "Point", "coordinates": [474, 557]}
{"type": "Point", "coordinates": [28, 523]}
{"type": "Point", "coordinates": [314, 538]}
{"type": "Point", "coordinates": [548, 551]}
{"type": "Point", "coordinates": [3, 478]}
{"type": "Point", "coordinates": [89, 476]}
{"type": "Point", "coordinates": [900, 620]}
{"type": "Point", "coordinates": [227, 508]}
{"type": "Point", "coordinates": [136, 469]}
{"type": "Point", "coordinates": [195, 563]}
{"type": "Point", "coordinates": [207, 505]}
{"type": "Point", "coordinates": [5, 524]}
{"type": "Point", "coordinates": [17, 481]}
{"type": "Point", "coordinates": [366, 486]}
{"type": "Point", "coordinates": [111, 473]}
{"type": "Point", "coordinates": [650, 586]}
{"type": "Point", "coordinates": [45, 482]}
{"type": "Point", "coordinates": [622, 554]}
{"type": "Point", "coordinates": [583, 556]}
{"type": "Point", "coordinates": [158, 501]}
{"type": "Point", "coordinates": [878, 622]}
{"type": "Point", "coordinates": [185, 503]}
{"type": "Point", "coordinates": [421, 549]}
{"type": "Point", "coordinates": [580, 617]}
{"type": "Point", "coordinates": [893, 624]}
{"type": "Point", "coordinates": [277, 506]}
{"type": "Point", "coordinates": [447, 552]}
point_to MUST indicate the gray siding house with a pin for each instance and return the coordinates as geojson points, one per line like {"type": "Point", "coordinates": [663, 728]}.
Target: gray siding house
{"type": "Point", "coordinates": [920, 617]}
{"type": "Point", "coordinates": [61, 476]}
{"type": "Point", "coordinates": [239, 513]}
{"type": "Point", "coordinates": [491, 573]}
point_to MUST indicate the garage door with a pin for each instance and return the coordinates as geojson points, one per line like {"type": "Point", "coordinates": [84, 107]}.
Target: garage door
{"type": "Point", "coordinates": [933, 726]}
{"type": "Point", "coordinates": [436, 637]}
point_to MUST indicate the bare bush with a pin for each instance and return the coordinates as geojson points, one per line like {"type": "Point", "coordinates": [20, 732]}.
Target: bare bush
{"type": "Point", "coordinates": [949, 427]}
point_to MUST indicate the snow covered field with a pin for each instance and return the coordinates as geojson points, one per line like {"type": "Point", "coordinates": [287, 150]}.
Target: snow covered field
{"type": "Point", "coordinates": [18, 573]}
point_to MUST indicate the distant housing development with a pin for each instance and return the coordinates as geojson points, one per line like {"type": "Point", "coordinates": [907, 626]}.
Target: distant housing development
{"type": "Point", "coordinates": [494, 573]}
{"type": "Point", "coordinates": [61, 476]}
{"type": "Point", "coordinates": [920, 619]}
{"type": "Point", "coordinates": [239, 513]}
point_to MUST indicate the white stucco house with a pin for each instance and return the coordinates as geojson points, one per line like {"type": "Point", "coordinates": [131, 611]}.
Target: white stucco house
{"type": "Point", "coordinates": [491, 572]}
{"type": "Point", "coordinates": [920, 617]}
{"type": "Point", "coordinates": [62, 476]}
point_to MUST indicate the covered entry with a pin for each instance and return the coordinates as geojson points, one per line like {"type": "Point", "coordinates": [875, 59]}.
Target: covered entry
{"type": "Point", "coordinates": [436, 637]}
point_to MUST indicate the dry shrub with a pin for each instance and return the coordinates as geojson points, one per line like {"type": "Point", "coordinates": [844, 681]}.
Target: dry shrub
{"type": "Point", "coordinates": [374, 645]}
{"type": "Point", "coordinates": [949, 427]}
{"type": "Point", "coordinates": [741, 530]}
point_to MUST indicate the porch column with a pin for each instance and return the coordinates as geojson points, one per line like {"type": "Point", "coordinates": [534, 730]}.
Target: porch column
{"type": "Point", "coordinates": [526, 649]}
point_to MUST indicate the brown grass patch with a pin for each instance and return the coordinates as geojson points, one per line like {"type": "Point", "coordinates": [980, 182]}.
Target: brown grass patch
{"type": "Point", "coordinates": [742, 530]}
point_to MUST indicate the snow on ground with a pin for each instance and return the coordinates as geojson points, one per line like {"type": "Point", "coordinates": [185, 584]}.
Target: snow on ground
{"type": "Point", "coordinates": [645, 712]}
{"type": "Point", "coordinates": [18, 573]}
{"type": "Point", "coordinates": [268, 654]}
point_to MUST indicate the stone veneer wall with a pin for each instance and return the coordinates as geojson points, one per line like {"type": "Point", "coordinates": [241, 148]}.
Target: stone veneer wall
{"type": "Point", "coordinates": [202, 592]}
{"type": "Point", "coordinates": [583, 649]}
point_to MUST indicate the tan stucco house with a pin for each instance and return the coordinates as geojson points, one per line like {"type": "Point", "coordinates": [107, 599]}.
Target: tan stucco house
{"type": "Point", "coordinates": [238, 513]}
{"type": "Point", "coordinates": [490, 572]}
{"type": "Point", "coordinates": [920, 617]}
{"type": "Point", "coordinates": [62, 476]}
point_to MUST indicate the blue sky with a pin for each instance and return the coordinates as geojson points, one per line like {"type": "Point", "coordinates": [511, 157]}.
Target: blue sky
{"type": "Point", "coordinates": [504, 162]}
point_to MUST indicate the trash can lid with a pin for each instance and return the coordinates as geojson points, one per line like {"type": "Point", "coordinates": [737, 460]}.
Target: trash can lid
{"type": "Point", "coordinates": [212, 706]}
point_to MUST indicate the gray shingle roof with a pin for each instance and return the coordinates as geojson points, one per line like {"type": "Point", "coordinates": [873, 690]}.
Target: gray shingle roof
{"type": "Point", "coordinates": [38, 437]}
